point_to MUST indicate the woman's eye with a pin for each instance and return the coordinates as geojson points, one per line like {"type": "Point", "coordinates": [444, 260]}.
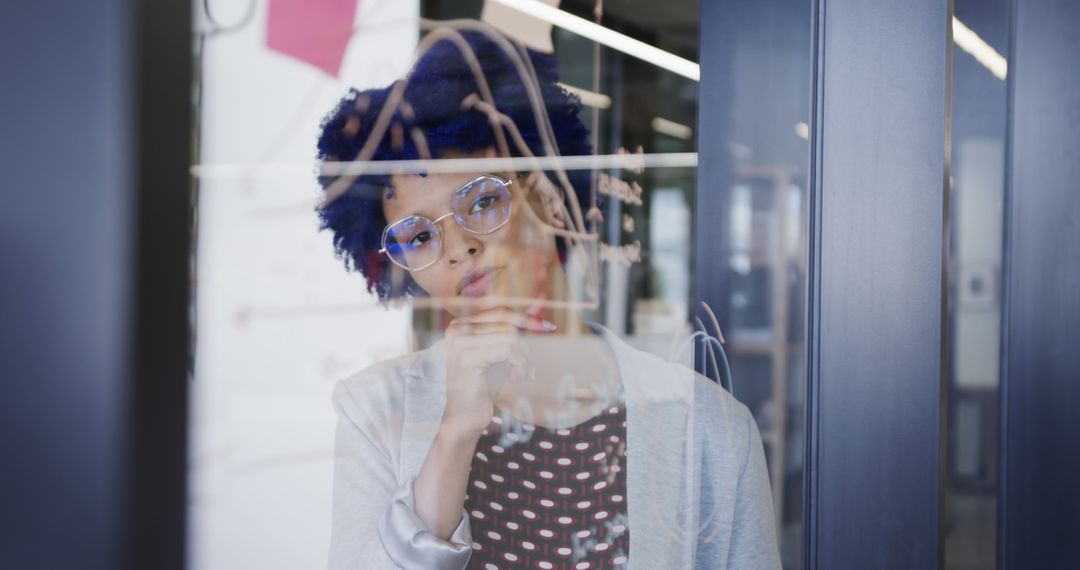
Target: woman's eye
{"type": "Point", "coordinates": [419, 239]}
{"type": "Point", "coordinates": [483, 203]}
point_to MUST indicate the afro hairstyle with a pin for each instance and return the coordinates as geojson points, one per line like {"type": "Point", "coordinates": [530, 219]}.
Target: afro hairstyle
{"type": "Point", "coordinates": [438, 83]}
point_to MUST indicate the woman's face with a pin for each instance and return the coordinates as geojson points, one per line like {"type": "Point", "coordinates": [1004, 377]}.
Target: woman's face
{"type": "Point", "coordinates": [513, 262]}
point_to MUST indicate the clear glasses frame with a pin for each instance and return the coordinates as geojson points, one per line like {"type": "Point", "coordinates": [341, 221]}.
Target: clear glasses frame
{"type": "Point", "coordinates": [435, 223]}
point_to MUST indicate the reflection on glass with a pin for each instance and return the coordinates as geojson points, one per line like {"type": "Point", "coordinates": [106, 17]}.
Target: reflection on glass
{"type": "Point", "coordinates": [761, 127]}
{"type": "Point", "coordinates": [509, 354]}
{"type": "Point", "coordinates": [980, 39]}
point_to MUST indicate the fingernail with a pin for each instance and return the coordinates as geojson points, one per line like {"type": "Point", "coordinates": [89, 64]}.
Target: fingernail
{"type": "Point", "coordinates": [547, 325]}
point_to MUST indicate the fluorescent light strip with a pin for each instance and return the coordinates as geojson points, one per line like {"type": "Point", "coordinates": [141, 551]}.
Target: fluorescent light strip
{"type": "Point", "coordinates": [605, 36]}
{"type": "Point", "coordinates": [984, 53]}
{"type": "Point", "coordinates": [590, 98]}
{"type": "Point", "coordinates": [630, 161]}
{"type": "Point", "coordinates": [672, 129]}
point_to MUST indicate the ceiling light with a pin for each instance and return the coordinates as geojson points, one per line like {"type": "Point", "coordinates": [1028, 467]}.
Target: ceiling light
{"type": "Point", "coordinates": [672, 129]}
{"type": "Point", "coordinates": [606, 36]}
{"type": "Point", "coordinates": [984, 53]}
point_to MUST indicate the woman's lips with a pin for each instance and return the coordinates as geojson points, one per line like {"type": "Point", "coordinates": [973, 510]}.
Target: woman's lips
{"type": "Point", "coordinates": [477, 283]}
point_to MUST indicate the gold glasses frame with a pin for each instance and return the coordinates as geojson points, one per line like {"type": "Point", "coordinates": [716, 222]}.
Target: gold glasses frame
{"type": "Point", "coordinates": [435, 223]}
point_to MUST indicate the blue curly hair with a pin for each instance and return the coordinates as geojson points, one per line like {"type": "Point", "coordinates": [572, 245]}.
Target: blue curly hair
{"type": "Point", "coordinates": [437, 84]}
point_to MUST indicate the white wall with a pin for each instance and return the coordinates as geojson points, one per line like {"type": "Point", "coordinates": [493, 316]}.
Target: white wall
{"type": "Point", "coordinates": [278, 318]}
{"type": "Point", "coordinates": [979, 203]}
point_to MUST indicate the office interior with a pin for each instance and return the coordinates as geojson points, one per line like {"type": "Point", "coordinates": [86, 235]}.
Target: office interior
{"type": "Point", "coordinates": [176, 322]}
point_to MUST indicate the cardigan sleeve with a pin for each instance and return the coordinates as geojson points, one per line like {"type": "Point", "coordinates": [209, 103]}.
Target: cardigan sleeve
{"type": "Point", "coordinates": [374, 522]}
{"type": "Point", "coordinates": [753, 533]}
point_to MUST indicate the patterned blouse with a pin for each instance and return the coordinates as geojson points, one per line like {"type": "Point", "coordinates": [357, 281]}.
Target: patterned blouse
{"type": "Point", "coordinates": [540, 498]}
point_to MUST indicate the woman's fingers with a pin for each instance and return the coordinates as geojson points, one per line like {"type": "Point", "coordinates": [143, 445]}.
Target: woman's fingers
{"type": "Point", "coordinates": [491, 349]}
{"type": "Point", "coordinates": [483, 352]}
{"type": "Point", "coordinates": [502, 316]}
{"type": "Point", "coordinates": [470, 342]}
{"type": "Point", "coordinates": [487, 356]}
{"type": "Point", "coordinates": [461, 330]}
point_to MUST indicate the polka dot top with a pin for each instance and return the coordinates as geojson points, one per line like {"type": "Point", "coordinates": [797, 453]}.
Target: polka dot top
{"type": "Point", "coordinates": [540, 498]}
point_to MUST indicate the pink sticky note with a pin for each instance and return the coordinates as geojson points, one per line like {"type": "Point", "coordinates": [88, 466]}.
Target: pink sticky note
{"type": "Point", "coordinates": [313, 31]}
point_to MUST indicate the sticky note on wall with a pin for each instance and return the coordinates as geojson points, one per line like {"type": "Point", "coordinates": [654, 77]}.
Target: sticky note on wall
{"type": "Point", "coordinates": [316, 32]}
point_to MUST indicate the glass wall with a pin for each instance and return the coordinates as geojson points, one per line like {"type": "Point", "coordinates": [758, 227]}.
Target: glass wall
{"type": "Point", "coordinates": [447, 304]}
{"type": "Point", "coordinates": [759, 212]}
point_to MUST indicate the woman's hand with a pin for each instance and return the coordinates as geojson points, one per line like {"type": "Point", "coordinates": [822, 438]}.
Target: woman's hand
{"type": "Point", "coordinates": [483, 351]}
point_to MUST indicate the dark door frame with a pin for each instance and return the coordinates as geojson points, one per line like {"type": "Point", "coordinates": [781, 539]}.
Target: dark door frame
{"type": "Point", "coordinates": [95, 330]}
{"type": "Point", "coordinates": [877, 290]}
{"type": "Point", "coordinates": [1038, 500]}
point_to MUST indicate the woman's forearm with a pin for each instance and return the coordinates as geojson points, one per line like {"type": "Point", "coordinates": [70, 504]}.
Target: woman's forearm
{"type": "Point", "coordinates": [439, 489]}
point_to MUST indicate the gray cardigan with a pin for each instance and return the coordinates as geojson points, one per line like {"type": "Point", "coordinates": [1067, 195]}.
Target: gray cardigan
{"type": "Point", "coordinates": [697, 487]}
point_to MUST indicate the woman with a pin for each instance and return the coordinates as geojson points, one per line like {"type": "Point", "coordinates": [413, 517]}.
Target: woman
{"type": "Point", "coordinates": [526, 438]}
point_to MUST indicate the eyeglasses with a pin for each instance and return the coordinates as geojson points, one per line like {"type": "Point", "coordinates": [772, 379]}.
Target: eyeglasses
{"type": "Point", "coordinates": [481, 207]}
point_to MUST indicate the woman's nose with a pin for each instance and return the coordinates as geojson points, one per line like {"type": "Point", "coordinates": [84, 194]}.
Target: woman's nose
{"type": "Point", "coordinates": [458, 244]}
